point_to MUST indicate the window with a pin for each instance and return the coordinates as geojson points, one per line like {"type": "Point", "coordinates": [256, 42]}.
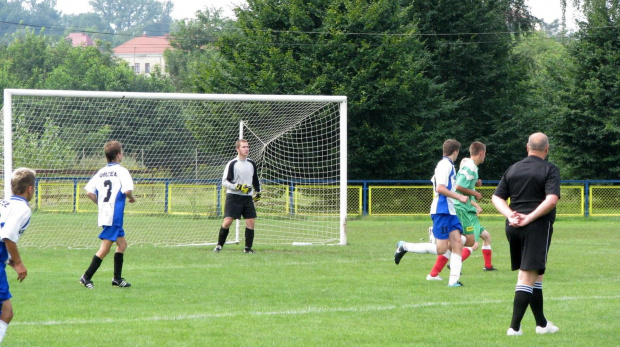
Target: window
{"type": "Point", "coordinates": [137, 68]}
{"type": "Point", "coordinates": [147, 67]}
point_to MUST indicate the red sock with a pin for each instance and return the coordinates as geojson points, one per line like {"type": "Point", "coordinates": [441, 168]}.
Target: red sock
{"type": "Point", "coordinates": [439, 265]}
{"type": "Point", "coordinates": [465, 253]}
{"type": "Point", "coordinates": [486, 253]}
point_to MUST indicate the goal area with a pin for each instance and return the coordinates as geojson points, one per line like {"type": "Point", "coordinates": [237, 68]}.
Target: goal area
{"type": "Point", "coordinates": [176, 146]}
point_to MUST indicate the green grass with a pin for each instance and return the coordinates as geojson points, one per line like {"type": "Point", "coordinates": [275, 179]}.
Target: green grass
{"type": "Point", "coordinates": [318, 295]}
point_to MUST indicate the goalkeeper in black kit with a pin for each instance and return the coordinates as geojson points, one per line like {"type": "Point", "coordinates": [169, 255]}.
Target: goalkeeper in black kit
{"type": "Point", "coordinates": [241, 182]}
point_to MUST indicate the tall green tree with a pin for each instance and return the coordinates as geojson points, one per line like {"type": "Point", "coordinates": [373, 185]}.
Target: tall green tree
{"type": "Point", "coordinates": [194, 49]}
{"type": "Point", "coordinates": [366, 50]}
{"type": "Point", "coordinates": [588, 132]}
{"type": "Point", "coordinates": [471, 45]}
{"type": "Point", "coordinates": [135, 17]}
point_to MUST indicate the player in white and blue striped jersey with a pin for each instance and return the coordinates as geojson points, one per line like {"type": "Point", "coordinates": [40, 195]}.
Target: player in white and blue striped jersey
{"type": "Point", "coordinates": [109, 188]}
{"type": "Point", "coordinates": [447, 228]}
{"type": "Point", "coordinates": [14, 219]}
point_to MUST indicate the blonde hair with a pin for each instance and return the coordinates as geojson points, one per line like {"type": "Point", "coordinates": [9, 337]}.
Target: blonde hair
{"type": "Point", "coordinates": [476, 147]}
{"type": "Point", "coordinates": [21, 179]}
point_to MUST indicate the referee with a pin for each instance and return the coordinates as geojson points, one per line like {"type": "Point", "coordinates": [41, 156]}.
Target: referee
{"type": "Point", "coordinates": [241, 180]}
{"type": "Point", "coordinates": [533, 187]}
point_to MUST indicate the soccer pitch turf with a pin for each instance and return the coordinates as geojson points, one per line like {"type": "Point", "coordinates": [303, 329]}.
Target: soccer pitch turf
{"type": "Point", "coordinates": [318, 295]}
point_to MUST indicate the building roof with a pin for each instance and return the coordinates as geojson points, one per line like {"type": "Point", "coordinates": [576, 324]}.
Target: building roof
{"type": "Point", "coordinates": [144, 45]}
{"type": "Point", "coordinates": [80, 39]}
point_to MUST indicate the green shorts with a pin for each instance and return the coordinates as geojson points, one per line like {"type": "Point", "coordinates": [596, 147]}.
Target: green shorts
{"type": "Point", "coordinates": [470, 223]}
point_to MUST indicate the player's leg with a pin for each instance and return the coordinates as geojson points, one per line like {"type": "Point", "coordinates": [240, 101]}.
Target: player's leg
{"type": "Point", "coordinates": [6, 310]}
{"type": "Point", "coordinates": [249, 235]}
{"type": "Point", "coordinates": [121, 246]}
{"type": "Point", "coordinates": [249, 214]}
{"type": "Point", "coordinates": [232, 211]}
{"type": "Point", "coordinates": [6, 315]}
{"type": "Point", "coordinates": [439, 247]}
{"type": "Point", "coordinates": [95, 263]}
{"type": "Point", "coordinates": [456, 261]}
{"type": "Point", "coordinates": [487, 253]}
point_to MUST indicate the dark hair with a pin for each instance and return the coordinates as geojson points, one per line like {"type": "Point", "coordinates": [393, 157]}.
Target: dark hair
{"type": "Point", "coordinates": [450, 146]}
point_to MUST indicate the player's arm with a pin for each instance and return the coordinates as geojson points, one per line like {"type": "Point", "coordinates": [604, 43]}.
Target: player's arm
{"type": "Point", "coordinates": [468, 192]}
{"type": "Point", "coordinates": [478, 208]}
{"type": "Point", "coordinates": [130, 196]}
{"type": "Point", "coordinates": [441, 189]}
{"type": "Point", "coordinates": [16, 260]}
{"type": "Point", "coordinates": [92, 197]}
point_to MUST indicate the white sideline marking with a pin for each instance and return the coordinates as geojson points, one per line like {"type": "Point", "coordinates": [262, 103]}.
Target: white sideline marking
{"type": "Point", "coordinates": [309, 310]}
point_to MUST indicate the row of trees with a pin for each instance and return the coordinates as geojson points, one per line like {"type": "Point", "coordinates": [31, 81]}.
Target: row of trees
{"type": "Point", "coordinates": [113, 21]}
{"type": "Point", "coordinates": [415, 73]}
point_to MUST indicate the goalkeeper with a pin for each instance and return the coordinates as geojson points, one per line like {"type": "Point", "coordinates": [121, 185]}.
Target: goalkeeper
{"type": "Point", "coordinates": [241, 182]}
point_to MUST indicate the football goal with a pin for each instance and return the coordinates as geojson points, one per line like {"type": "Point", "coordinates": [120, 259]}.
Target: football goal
{"type": "Point", "coordinates": [176, 146]}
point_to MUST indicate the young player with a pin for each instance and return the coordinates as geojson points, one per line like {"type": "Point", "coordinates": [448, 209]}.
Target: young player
{"type": "Point", "coordinates": [108, 188]}
{"type": "Point", "coordinates": [447, 228]}
{"type": "Point", "coordinates": [466, 180]}
{"type": "Point", "coordinates": [14, 219]}
{"type": "Point", "coordinates": [240, 178]}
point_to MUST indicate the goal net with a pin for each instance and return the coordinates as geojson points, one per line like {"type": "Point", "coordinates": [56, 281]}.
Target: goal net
{"type": "Point", "coordinates": [176, 147]}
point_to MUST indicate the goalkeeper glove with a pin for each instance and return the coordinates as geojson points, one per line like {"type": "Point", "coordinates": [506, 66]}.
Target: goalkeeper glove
{"type": "Point", "coordinates": [244, 188]}
{"type": "Point", "coordinates": [257, 197]}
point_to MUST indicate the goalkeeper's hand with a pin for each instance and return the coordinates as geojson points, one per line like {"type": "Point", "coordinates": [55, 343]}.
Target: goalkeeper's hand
{"type": "Point", "coordinates": [244, 188]}
{"type": "Point", "coordinates": [256, 197]}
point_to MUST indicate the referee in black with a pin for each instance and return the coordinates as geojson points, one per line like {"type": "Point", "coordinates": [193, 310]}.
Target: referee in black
{"type": "Point", "coordinates": [533, 187]}
{"type": "Point", "coordinates": [241, 181]}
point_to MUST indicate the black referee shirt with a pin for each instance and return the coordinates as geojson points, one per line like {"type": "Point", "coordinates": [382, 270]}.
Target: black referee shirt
{"type": "Point", "coordinates": [528, 182]}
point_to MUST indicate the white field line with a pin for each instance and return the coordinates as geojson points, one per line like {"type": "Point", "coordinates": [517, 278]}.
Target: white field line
{"type": "Point", "coordinates": [304, 311]}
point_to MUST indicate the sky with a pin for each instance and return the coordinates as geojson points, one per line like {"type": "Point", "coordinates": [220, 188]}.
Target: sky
{"type": "Point", "coordinates": [549, 10]}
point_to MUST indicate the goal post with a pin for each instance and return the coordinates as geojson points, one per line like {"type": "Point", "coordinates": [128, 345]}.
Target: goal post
{"type": "Point", "coordinates": [176, 146]}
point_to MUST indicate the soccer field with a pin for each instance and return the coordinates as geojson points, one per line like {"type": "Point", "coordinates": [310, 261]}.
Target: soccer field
{"type": "Point", "coordinates": [318, 295]}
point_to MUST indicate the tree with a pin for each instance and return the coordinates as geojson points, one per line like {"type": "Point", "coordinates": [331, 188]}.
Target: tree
{"type": "Point", "coordinates": [135, 17]}
{"type": "Point", "coordinates": [588, 131]}
{"type": "Point", "coordinates": [312, 47]}
{"type": "Point", "coordinates": [471, 45]}
{"type": "Point", "coordinates": [33, 13]}
{"type": "Point", "coordinates": [194, 49]}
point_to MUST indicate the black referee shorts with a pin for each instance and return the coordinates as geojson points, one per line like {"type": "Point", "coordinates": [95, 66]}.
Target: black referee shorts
{"type": "Point", "coordinates": [529, 245]}
{"type": "Point", "coordinates": [239, 205]}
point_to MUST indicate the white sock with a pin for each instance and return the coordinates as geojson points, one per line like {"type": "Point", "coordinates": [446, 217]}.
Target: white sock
{"type": "Point", "coordinates": [486, 247]}
{"type": "Point", "coordinates": [456, 263]}
{"type": "Point", "coordinates": [420, 247]}
{"type": "Point", "coordinates": [447, 254]}
{"type": "Point", "coordinates": [3, 327]}
{"type": "Point", "coordinates": [463, 239]}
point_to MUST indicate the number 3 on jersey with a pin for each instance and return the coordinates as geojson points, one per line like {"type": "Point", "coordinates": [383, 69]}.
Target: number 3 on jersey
{"type": "Point", "coordinates": [108, 184]}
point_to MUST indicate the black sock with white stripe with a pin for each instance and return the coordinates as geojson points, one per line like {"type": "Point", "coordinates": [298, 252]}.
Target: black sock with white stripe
{"type": "Point", "coordinates": [537, 305]}
{"type": "Point", "coordinates": [523, 296]}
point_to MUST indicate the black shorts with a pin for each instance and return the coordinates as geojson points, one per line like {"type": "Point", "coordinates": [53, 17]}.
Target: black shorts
{"type": "Point", "coordinates": [529, 245]}
{"type": "Point", "coordinates": [239, 205]}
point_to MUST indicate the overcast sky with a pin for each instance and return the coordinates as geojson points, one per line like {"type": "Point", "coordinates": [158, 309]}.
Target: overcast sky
{"type": "Point", "coordinates": [549, 10]}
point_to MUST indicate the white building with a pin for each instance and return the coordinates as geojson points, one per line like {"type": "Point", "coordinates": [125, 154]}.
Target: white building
{"type": "Point", "coordinates": [144, 52]}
